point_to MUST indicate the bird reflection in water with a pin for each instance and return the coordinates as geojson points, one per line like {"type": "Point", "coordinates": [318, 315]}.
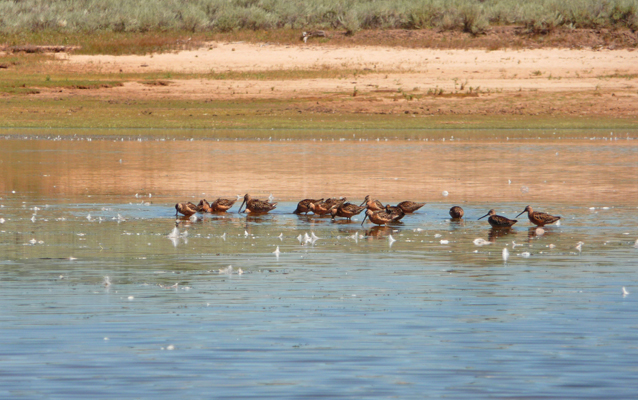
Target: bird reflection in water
{"type": "Point", "coordinates": [496, 233]}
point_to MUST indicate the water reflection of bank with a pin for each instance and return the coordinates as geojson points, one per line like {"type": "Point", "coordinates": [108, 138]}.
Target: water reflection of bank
{"type": "Point", "coordinates": [478, 171]}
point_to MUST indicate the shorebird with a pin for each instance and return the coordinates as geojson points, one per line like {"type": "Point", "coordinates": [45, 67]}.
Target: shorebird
{"type": "Point", "coordinates": [396, 212]}
{"type": "Point", "coordinates": [319, 208]}
{"type": "Point", "coordinates": [324, 207]}
{"type": "Point", "coordinates": [539, 218]}
{"type": "Point", "coordinates": [498, 221]}
{"type": "Point", "coordinates": [304, 206]}
{"type": "Point", "coordinates": [335, 202]}
{"type": "Point", "coordinates": [381, 217]}
{"type": "Point", "coordinates": [222, 205]}
{"type": "Point", "coordinates": [187, 209]}
{"type": "Point", "coordinates": [456, 212]}
{"type": "Point", "coordinates": [346, 210]}
{"type": "Point", "coordinates": [372, 204]}
{"type": "Point", "coordinates": [409, 207]}
{"type": "Point", "coordinates": [203, 206]}
{"type": "Point", "coordinates": [256, 206]}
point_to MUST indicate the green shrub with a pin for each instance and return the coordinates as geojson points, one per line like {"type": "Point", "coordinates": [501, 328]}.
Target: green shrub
{"type": "Point", "coordinates": [472, 16]}
{"type": "Point", "coordinates": [422, 15]}
{"type": "Point", "coordinates": [350, 22]}
{"type": "Point", "coordinates": [473, 19]}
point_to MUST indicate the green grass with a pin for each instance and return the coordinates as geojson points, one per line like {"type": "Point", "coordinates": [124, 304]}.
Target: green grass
{"type": "Point", "coordinates": [618, 76]}
{"type": "Point", "coordinates": [28, 73]}
{"type": "Point", "coordinates": [31, 84]}
{"type": "Point", "coordinates": [208, 116]}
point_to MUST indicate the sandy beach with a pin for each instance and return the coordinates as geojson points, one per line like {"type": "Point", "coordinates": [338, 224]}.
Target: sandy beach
{"type": "Point", "coordinates": [531, 81]}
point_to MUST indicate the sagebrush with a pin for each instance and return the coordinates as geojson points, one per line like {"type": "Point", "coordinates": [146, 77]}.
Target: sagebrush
{"type": "Point", "coordinates": [473, 16]}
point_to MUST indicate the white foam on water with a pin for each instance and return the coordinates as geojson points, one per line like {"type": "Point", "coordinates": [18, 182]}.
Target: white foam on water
{"type": "Point", "coordinates": [174, 233]}
{"type": "Point", "coordinates": [391, 240]}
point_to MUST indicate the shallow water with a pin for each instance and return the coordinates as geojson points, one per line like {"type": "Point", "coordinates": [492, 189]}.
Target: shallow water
{"type": "Point", "coordinates": [348, 315]}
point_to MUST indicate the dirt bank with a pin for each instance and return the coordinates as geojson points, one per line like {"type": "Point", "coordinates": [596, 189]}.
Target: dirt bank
{"type": "Point", "coordinates": [389, 79]}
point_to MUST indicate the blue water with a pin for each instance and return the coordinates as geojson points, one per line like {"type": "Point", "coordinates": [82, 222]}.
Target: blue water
{"type": "Point", "coordinates": [102, 297]}
{"type": "Point", "coordinates": [348, 316]}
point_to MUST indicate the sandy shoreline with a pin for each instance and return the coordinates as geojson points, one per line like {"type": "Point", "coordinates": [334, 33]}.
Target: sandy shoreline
{"type": "Point", "coordinates": [541, 69]}
{"type": "Point", "coordinates": [221, 57]}
{"type": "Point", "coordinates": [320, 78]}
{"type": "Point", "coordinates": [508, 81]}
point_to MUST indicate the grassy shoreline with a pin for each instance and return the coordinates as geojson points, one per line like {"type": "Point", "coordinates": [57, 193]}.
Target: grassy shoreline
{"type": "Point", "coordinates": [29, 98]}
{"type": "Point", "coordinates": [41, 91]}
{"type": "Point", "coordinates": [81, 113]}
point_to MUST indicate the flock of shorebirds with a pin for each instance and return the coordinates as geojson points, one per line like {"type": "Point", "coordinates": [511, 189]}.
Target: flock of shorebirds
{"type": "Point", "coordinates": [338, 207]}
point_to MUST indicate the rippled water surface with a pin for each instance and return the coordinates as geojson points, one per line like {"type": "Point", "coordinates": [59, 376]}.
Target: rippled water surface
{"type": "Point", "coordinates": [103, 297]}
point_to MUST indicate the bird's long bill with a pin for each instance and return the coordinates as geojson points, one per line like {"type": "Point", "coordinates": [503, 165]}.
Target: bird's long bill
{"type": "Point", "coordinates": [364, 219]}
{"type": "Point", "coordinates": [242, 204]}
{"type": "Point", "coordinates": [519, 214]}
{"type": "Point", "coordinates": [362, 203]}
{"type": "Point", "coordinates": [484, 216]}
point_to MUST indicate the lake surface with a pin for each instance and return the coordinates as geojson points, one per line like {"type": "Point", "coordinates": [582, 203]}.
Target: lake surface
{"type": "Point", "coordinates": [103, 297]}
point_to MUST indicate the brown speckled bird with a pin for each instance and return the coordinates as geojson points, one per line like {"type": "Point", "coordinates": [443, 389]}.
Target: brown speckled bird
{"type": "Point", "coordinates": [456, 212]}
{"type": "Point", "coordinates": [346, 210]}
{"type": "Point", "coordinates": [334, 202]}
{"type": "Point", "coordinates": [319, 208]}
{"type": "Point", "coordinates": [186, 209]}
{"type": "Point", "coordinates": [222, 205]}
{"type": "Point", "coordinates": [372, 204]}
{"type": "Point", "coordinates": [409, 207]}
{"type": "Point", "coordinates": [256, 205]}
{"type": "Point", "coordinates": [498, 221]}
{"type": "Point", "coordinates": [396, 212]}
{"type": "Point", "coordinates": [381, 217]}
{"type": "Point", "coordinates": [304, 206]}
{"type": "Point", "coordinates": [324, 207]}
{"type": "Point", "coordinates": [203, 206]}
{"type": "Point", "coordinates": [539, 218]}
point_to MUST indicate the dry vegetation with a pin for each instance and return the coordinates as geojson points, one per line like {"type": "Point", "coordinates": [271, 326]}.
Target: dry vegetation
{"type": "Point", "coordinates": [124, 27]}
{"type": "Point", "coordinates": [472, 16]}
